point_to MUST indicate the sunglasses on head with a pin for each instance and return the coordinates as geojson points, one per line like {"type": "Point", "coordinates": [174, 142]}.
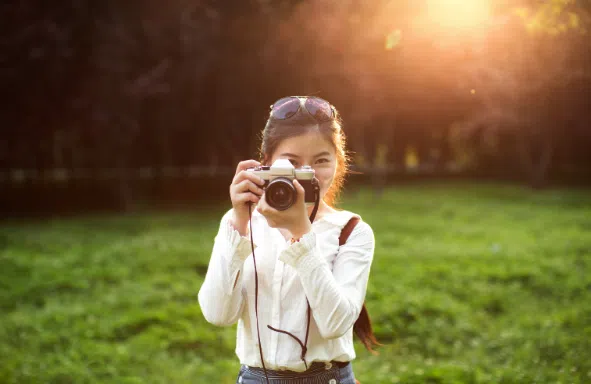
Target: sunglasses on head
{"type": "Point", "coordinates": [287, 107]}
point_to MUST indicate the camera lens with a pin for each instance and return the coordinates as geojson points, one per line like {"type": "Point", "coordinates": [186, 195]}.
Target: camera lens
{"type": "Point", "coordinates": [280, 194]}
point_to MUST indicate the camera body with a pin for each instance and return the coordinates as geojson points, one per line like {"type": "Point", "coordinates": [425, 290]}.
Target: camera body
{"type": "Point", "coordinates": [280, 193]}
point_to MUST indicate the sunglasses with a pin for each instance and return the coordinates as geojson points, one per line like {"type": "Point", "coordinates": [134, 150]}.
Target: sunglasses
{"type": "Point", "coordinates": [287, 107]}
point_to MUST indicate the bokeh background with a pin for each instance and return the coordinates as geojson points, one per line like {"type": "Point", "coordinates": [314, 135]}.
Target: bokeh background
{"type": "Point", "coordinates": [469, 126]}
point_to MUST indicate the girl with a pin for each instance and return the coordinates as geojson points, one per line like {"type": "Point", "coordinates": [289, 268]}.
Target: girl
{"type": "Point", "coordinates": [295, 292]}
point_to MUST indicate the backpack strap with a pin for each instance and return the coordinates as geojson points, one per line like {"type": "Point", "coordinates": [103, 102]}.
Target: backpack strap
{"type": "Point", "coordinates": [347, 229]}
{"type": "Point", "coordinates": [362, 326]}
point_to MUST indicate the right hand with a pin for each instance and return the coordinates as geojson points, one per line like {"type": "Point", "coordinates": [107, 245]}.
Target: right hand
{"type": "Point", "coordinates": [246, 188]}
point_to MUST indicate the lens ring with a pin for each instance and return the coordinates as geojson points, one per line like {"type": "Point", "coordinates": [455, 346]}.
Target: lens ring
{"type": "Point", "coordinates": [285, 108]}
{"type": "Point", "coordinates": [319, 108]}
{"type": "Point", "coordinates": [280, 193]}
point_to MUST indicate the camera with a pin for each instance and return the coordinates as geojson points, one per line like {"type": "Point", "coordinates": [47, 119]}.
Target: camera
{"type": "Point", "coordinates": [280, 193]}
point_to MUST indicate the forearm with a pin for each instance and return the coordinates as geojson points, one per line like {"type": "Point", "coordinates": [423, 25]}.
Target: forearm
{"type": "Point", "coordinates": [335, 296]}
{"type": "Point", "coordinates": [220, 305]}
{"type": "Point", "coordinates": [334, 310]}
{"type": "Point", "coordinates": [220, 296]}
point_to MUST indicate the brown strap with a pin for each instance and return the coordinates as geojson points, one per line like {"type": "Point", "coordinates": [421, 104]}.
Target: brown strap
{"type": "Point", "coordinates": [359, 330]}
{"type": "Point", "coordinates": [347, 229]}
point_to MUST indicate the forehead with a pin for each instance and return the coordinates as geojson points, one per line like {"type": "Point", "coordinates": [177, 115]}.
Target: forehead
{"type": "Point", "coordinates": [306, 145]}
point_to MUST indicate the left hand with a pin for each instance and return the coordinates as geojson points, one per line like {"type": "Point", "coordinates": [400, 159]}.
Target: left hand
{"type": "Point", "coordinates": [294, 219]}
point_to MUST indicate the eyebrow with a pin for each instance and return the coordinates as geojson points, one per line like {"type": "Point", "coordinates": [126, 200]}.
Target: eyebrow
{"type": "Point", "coordinates": [325, 153]}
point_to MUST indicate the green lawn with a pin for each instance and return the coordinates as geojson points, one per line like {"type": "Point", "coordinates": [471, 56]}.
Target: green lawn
{"type": "Point", "coordinates": [470, 284]}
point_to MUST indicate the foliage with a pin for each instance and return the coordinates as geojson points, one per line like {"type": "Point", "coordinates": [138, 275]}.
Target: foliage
{"type": "Point", "coordinates": [470, 284]}
{"type": "Point", "coordinates": [520, 72]}
{"type": "Point", "coordinates": [119, 86]}
{"type": "Point", "coordinates": [556, 17]}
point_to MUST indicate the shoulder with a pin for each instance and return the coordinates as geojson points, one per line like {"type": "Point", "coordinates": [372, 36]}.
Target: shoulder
{"type": "Point", "coordinates": [361, 233]}
{"type": "Point", "coordinates": [339, 218]}
{"type": "Point", "coordinates": [362, 227]}
{"type": "Point", "coordinates": [361, 240]}
{"type": "Point", "coordinates": [342, 217]}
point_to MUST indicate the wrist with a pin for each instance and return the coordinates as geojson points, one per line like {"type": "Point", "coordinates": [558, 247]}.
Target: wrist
{"type": "Point", "coordinates": [241, 225]}
{"type": "Point", "coordinates": [299, 232]}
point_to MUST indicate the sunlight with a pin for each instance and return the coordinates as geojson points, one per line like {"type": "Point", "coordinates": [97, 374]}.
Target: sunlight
{"type": "Point", "coordinates": [458, 14]}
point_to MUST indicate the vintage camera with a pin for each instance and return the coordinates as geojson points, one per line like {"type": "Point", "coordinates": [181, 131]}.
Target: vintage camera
{"type": "Point", "coordinates": [280, 193]}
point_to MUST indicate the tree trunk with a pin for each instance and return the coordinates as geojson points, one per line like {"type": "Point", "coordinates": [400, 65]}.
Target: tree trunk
{"type": "Point", "coordinates": [124, 190]}
{"type": "Point", "coordinates": [535, 164]}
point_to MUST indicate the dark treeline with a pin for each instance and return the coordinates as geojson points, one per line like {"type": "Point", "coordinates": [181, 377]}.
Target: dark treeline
{"type": "Point", "coordinates": [96, 85]}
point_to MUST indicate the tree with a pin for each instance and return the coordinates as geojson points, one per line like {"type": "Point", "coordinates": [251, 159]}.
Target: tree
{"type": "Point", "coordinates": [516, 70]}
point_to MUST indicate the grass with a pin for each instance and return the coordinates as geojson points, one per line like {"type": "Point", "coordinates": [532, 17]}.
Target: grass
{"type": "Point", "coordinates": [470, 284]}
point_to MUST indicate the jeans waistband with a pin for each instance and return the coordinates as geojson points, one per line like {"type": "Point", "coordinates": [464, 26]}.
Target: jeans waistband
{"type": "Point", "coordinates": [314, 369]}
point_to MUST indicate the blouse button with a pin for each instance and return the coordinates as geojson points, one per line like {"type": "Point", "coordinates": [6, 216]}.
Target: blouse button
{"type": "Point", "coordinates": [328, 365]}
{"type": "Point", "coordinates": [332, 381]}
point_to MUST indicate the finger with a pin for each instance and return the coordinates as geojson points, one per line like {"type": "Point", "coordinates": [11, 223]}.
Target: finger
{"type": "Point", "coordinates": [247, 197]}
{"type": "Point", "coordinates": [247, 185]}
{"type": "Point", "coordinates": [246, 164]}
{"type": "Point", "coordinates": [263, 204]}
{"type": "Point", "coordinates": [300, 190]}
{"type": "Point", "coordinates": [264, 207]}
{"type": "Point", "coordinates": [246, 175]}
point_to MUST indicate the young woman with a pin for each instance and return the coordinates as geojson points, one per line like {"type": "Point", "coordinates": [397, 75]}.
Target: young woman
{"type": "Point", "coordinates": [297, 300]}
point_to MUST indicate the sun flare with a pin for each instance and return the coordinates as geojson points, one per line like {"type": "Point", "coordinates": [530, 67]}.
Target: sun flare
{"type": "Point", "coordinates": [458, 14]}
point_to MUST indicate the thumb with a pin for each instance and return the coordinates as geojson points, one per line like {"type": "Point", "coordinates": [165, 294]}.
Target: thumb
{"type": "Point", "coordinates": [300, 189]}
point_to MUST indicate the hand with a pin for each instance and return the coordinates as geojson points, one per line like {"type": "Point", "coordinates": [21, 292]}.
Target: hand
{"type": "Point", "coordinates": [294, 219]}
{"type": "Point", "coordinates": [244, 190]}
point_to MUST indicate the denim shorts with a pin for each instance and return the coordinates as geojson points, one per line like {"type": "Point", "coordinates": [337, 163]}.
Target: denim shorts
{"type": "Point", "coordinates": [325, 373]}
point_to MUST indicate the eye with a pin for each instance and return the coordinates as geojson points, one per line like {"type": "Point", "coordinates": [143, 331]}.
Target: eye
{"type": "Point", "coordinates": [293, 162]}
{"type": "Point", "coordinates": [322, 160]}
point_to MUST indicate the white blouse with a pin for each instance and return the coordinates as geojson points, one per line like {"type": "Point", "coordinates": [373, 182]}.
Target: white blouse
{"type": "Point", "coordinates": [287, 274]}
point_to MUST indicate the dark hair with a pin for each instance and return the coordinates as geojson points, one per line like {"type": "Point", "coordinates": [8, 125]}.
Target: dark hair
{"type": "Point", "coordinates": [302, 122]}
{"type": "Point", "coordinates": [364, 330]}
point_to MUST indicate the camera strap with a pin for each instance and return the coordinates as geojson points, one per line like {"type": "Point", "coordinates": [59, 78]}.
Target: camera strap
{"type": "Point", "coordinates": [304, 345]}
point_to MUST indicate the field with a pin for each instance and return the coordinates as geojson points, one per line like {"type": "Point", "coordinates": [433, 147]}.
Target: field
{"type": "Point", "coordinates": [471, 283]}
